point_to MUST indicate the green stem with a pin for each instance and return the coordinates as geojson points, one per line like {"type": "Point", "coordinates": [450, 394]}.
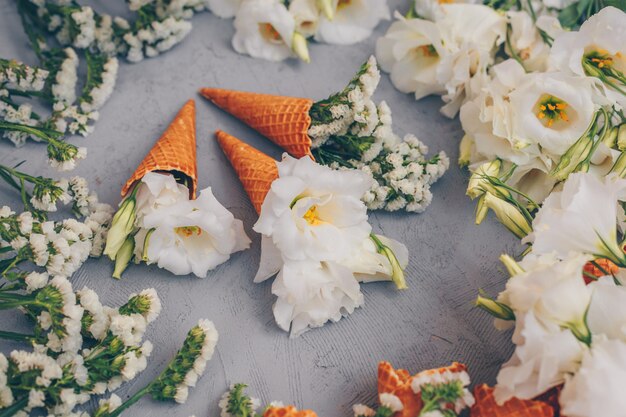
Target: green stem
{"type": "Point", "coordinates": [132, 400]}
{"type": "Point", "coordinates": [13, 409]}
{"type": "Point", "coordinates": [19, 337]}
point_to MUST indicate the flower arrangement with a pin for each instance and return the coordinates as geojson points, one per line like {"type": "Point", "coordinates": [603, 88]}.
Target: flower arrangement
{"type": "Point", "coordinates": [315, 236]}
{"type": "Point", "coordinates": [279, 29]}
{"type": "Point", "coordinates": [160, 220]}
{"type": "Point", "coordinates": [347, 131]}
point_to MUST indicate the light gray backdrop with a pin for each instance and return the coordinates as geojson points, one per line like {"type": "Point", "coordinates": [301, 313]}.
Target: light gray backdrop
{"type": "Point", "coordinates": [328, 369]}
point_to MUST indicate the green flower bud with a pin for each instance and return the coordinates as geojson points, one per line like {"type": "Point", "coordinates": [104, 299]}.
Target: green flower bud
{"type": "Point", "coordinates": [619, 167]}
{"type": "Point", "coordinates": [122, 225]}
{"type": "Point", "coordinates": [124, 256]}
{"type": "Point", "coordinates": [481, 210]}
{"type": "Point", "coordinates": [610, 139]}
{"type": "Point", "coordinates": [495, 308]}
{"type": "Point", "coordinates": [621, 136]}
{"type": "Point", "coordinates": [465, 150]}
{"type": "Point", "coordinates": [300, 47]}
{"type": "Point", "coordinates": [478, 183]}
{"type": "Point", "coordinates": [508, 215]}
{"type": "Point", "coordinates": [512, 267]}
{"type": "Point", "coordinates": [326, 6]}
{"type": "Point", "coordinates": [397, 274]}
{"type": "Point", "coordinates": [573, 158]}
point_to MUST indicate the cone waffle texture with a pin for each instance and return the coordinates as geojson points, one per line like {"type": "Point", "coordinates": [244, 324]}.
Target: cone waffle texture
{"type": "Point", "coordinates": [255, 169]}
{"type": "Point", "coordinates": [174, 151]}
{"type": "Point", "coordinates": [289, 411]}
{"type": "Point", "coordinates": [398, 383]}
{"type": "Point", "coordinates": [486, 406]}
{"type": "Point", "coordinates": [283, 120]}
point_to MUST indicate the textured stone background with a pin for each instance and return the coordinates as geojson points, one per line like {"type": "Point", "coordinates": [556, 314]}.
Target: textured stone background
{"type": "Point", "coordinates": [328, 369]}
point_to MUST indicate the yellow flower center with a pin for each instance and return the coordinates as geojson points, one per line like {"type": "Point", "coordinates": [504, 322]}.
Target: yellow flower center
{"type": "Point", "coordinates": [445, 1]}
{"type": "Point", "coordinates": [427, 51]}
{"type": "Point", "coordinates": [312, 216]}
{"type": "Point", "coordinates": [188, 231]}
{"type": "Point", "coordinates": [269, 33]}
{"type": "Point", "coordinates": [551, 109]}
{"type": "Point", "coordinates": [600, 58]}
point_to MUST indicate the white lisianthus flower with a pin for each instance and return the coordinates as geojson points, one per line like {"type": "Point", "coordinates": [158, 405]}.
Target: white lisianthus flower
{"type": "Point", "coordinates": [224, 8]}
{"type": "Point", "coordinates": [526, 40]}
{"type": "Point", "coordinates": [158, 190]}
{"type": "Point", "coordinates": [543, 358]}
{"type": "Point", "coordinates": [264, 29]}
{"type": "Point", "coordinates": [552, 110]}
{"type": "Point", "coordinates": [580, 218]}
{"type": "Point", "coordinates": [410, 52]}
{"type": "Point", "coordinates": [353, 21]}
{"type": "Point", "coordinates": [193, 236]}
{"type": "Point", "coordinates": [607, 309]}
{"type": "Point", "coordinates": [314, 212]}
{"type": "Point", "coordinates": [597, 47]}
{"type": "Point", "coordinates": [306, 15]}
{"type": "Point", "coordinates": [312, 293]}
{"type": "Point", "coordinates": [431, 9]}
{"type": "Point", "coordinates": [597, 387]}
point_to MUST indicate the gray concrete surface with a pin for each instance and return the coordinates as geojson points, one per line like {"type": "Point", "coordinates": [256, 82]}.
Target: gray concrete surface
{"type": "Point", "coordinates": [328, 369]}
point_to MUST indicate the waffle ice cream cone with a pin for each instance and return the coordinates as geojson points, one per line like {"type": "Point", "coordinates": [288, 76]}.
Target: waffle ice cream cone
{"type": "Point", "coordinates": [288, 411]}
{"type": "Point", "coordinates": [255, 169]}
{"type": "Point", "coordinates": [398, 383]}
{"type": "Point", "coordinates": [486, 406]}
{"type": "Point", "coordinates": [283, 120]}
{"type": "Point", "coordinates": [174, 152]}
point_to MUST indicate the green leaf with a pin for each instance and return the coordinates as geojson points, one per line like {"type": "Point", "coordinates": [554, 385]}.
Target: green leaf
{"type": "Point", "coordinates": [620, 4]}
{"type": "Point", "coordinates": [569, 16]}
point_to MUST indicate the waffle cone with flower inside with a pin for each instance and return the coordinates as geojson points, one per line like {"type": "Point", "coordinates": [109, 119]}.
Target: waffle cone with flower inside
{"type": "Point", "coordinates": [255, 169]}
{"type": "Point", "coordinates": [288, 411]}
{"type": "Point", "coordinates": [486, 406]}
{"type": "Point", "coordinates": [283, 120]}
{"type": "Point", "coordinates": [174, 152]}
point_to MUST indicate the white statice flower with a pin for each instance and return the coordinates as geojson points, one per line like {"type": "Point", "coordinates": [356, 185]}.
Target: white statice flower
{"type": "Point", "coordinates": [99, 319]}
{"type": "Point", "coordinates": [544, 357]}
{"type": "Point", "coordinates": [86, 27]}
{"type": "Point", "coordinates": [150, 302]}
{"type": "Point", "coordinates": [361, 410]}
{"type": "Point", "coordinates": [353, 21]}
{"type": "Point", "coordinates": [64, 87]}
{"type": "Point", "coordinates": [101, 92]}
{"type": "Point", "coordinates": [19, 114]}
{"type": "Point", "coordinates": [128, 328]}
{"type": "Point", "coordinates": [224, 8]}
{"type": "Point", "coordinates": [193, 236]}
{"type": "Point", "coordinates": [264, 29]}
{"type": "Point", "coordinates": [596, 47]}
{"type": "Point", "coordinates": [313, 212]}
{"type": "Point", "coordinates": [159, 36]}
{"type": "Point", "coordinates": [390, 401]}
{"type": "Point", "coordinates": [47, 367]}
{"type": "Point", "coordinates": [410, 52]}
{"type": "Point", "coordinates": [98, 221]}
{"type": "Point", "coordinates": [595, 388]}
{"type": "Point", "coordinates": [35, 281]}
{"type": "Point", "coordinates": [526, 40]}
{"type": "Point", "coordinates": [312, 293]}
{"type": "Point", "coordinates": [580, 218]}
{"type": "Point", "coordinates": [110, 404]}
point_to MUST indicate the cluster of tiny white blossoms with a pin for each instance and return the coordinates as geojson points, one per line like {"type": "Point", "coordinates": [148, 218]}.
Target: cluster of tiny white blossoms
{"type": "Point", "coordinates": [156, 38]}
{"type": "Point", "coordinates": [350, 123]}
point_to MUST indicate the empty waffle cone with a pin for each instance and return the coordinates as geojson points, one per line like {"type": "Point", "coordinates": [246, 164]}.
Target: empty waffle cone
{"type": "Point", "coordinates": [398, 383]}
{"type": "Point", "coordinates": [255, 169]}
{"type": "Point", "coordinates": [288, 411]}
{"type": "Point", "coordinates": [283, 120]}
{"type": "Point", "coordinates": [174, 152]}
{"type": "Point", "coordinates": [486, 406]}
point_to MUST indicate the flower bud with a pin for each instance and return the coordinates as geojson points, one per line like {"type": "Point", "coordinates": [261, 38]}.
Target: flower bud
{"type": "Point", "coordinates": [610, 139]}
{"type": "Point", "coordinates": [621, 136]}
{"type": "Point", "coordinates": [326, 6]}
{"type": "Point", "coordinates": [511, 266]}
{"type": "Point", "coordinates": [619, 167]}
{"type": "Point", "coordinates": [479, 183]}
{"type": "Point", "coordinates": [573, 158]}
{"type": "Point", "coordinates": [508, 215]}
{"type": "Point", "coordinates": [465, 150]}
{"type": "Point", "coordinates": [397, 274]}
{"type": "Point", "coordinates": [121, 226]}
{"type": "Point", "coordinates": [299, 46]}
{"type": "Point", "coordinates": [481, 210]}
{"type": "Point", "coordinates": [124, 256]}
{"type": "Point", "coordinates": [495, 308]}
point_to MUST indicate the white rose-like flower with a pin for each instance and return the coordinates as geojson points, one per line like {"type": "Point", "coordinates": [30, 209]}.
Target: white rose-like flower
{"type": "Point", "coordinates": [597, 388]}
{"type": "Point", "coordinates": [543, 358]}
{"type": "Point", "coordinates": [314, 212]}
{"type": "Point", "coordinates": [607, 311]}
{"type": "Point", "coordinates": [598, 44]}
{"type": "Point", "coordinates": [193, 236]}
{"type": "Point", "coordinates": [526, 40]}
{"type": "Point", "coordinates": [580, 218]}
{"type": "Point", "coordinates": [158, 190]}
{"type": "Point", "coordinates": [312, 293]}
{"type": "Point", "coordinates": [224, 8]}
{"type": "Point", "coordinates": [264, 29]}
{"type": "Point", "coordinates": [410, 52]}
{"type": "Point", "coordinates": [353, 21]}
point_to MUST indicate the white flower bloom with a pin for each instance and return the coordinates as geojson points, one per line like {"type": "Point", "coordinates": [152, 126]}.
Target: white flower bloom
{"type": "Point", "coordinates": [314, 212]}
{"type": "Point", "coordinates": [311, 293]}
{"type": "Point", "coordinates": [354, 21]}
{"type": "Point", "coordinates": [543, 358]}
{"type": "Point", "coordinates": [595, 388]}
{"type": "Point", "coordinates": [264, 29]}
{"type": "Point", "coordinates": [361, 410]}
{"type": "Point", "coordinates": [390, 401]}
{"type": "Point", "coordinates": [224, 8]}
{"type": "Point", "coordinates": [193, 236]}
{"type": "Point", "coordinates": [580, 218]}
{"type": "Point", "coordinates": [607, 309]}
{"type": "Point", "coordinates": [431, 9]}
{"type": "Point", "coordinates": [526, 40]}
{"type": "Point", "coordinates": [64, 88]}
{"type": "Point", "coordinates": [306, 16]}
{"type": "Point", "coordinates": [158, 190]}
{"type": "Point", "coordinates": [101, 92]}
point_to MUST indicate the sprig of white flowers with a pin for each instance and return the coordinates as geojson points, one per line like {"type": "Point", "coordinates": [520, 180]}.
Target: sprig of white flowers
{"type": "Point", "coordinates": [349, 131]}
